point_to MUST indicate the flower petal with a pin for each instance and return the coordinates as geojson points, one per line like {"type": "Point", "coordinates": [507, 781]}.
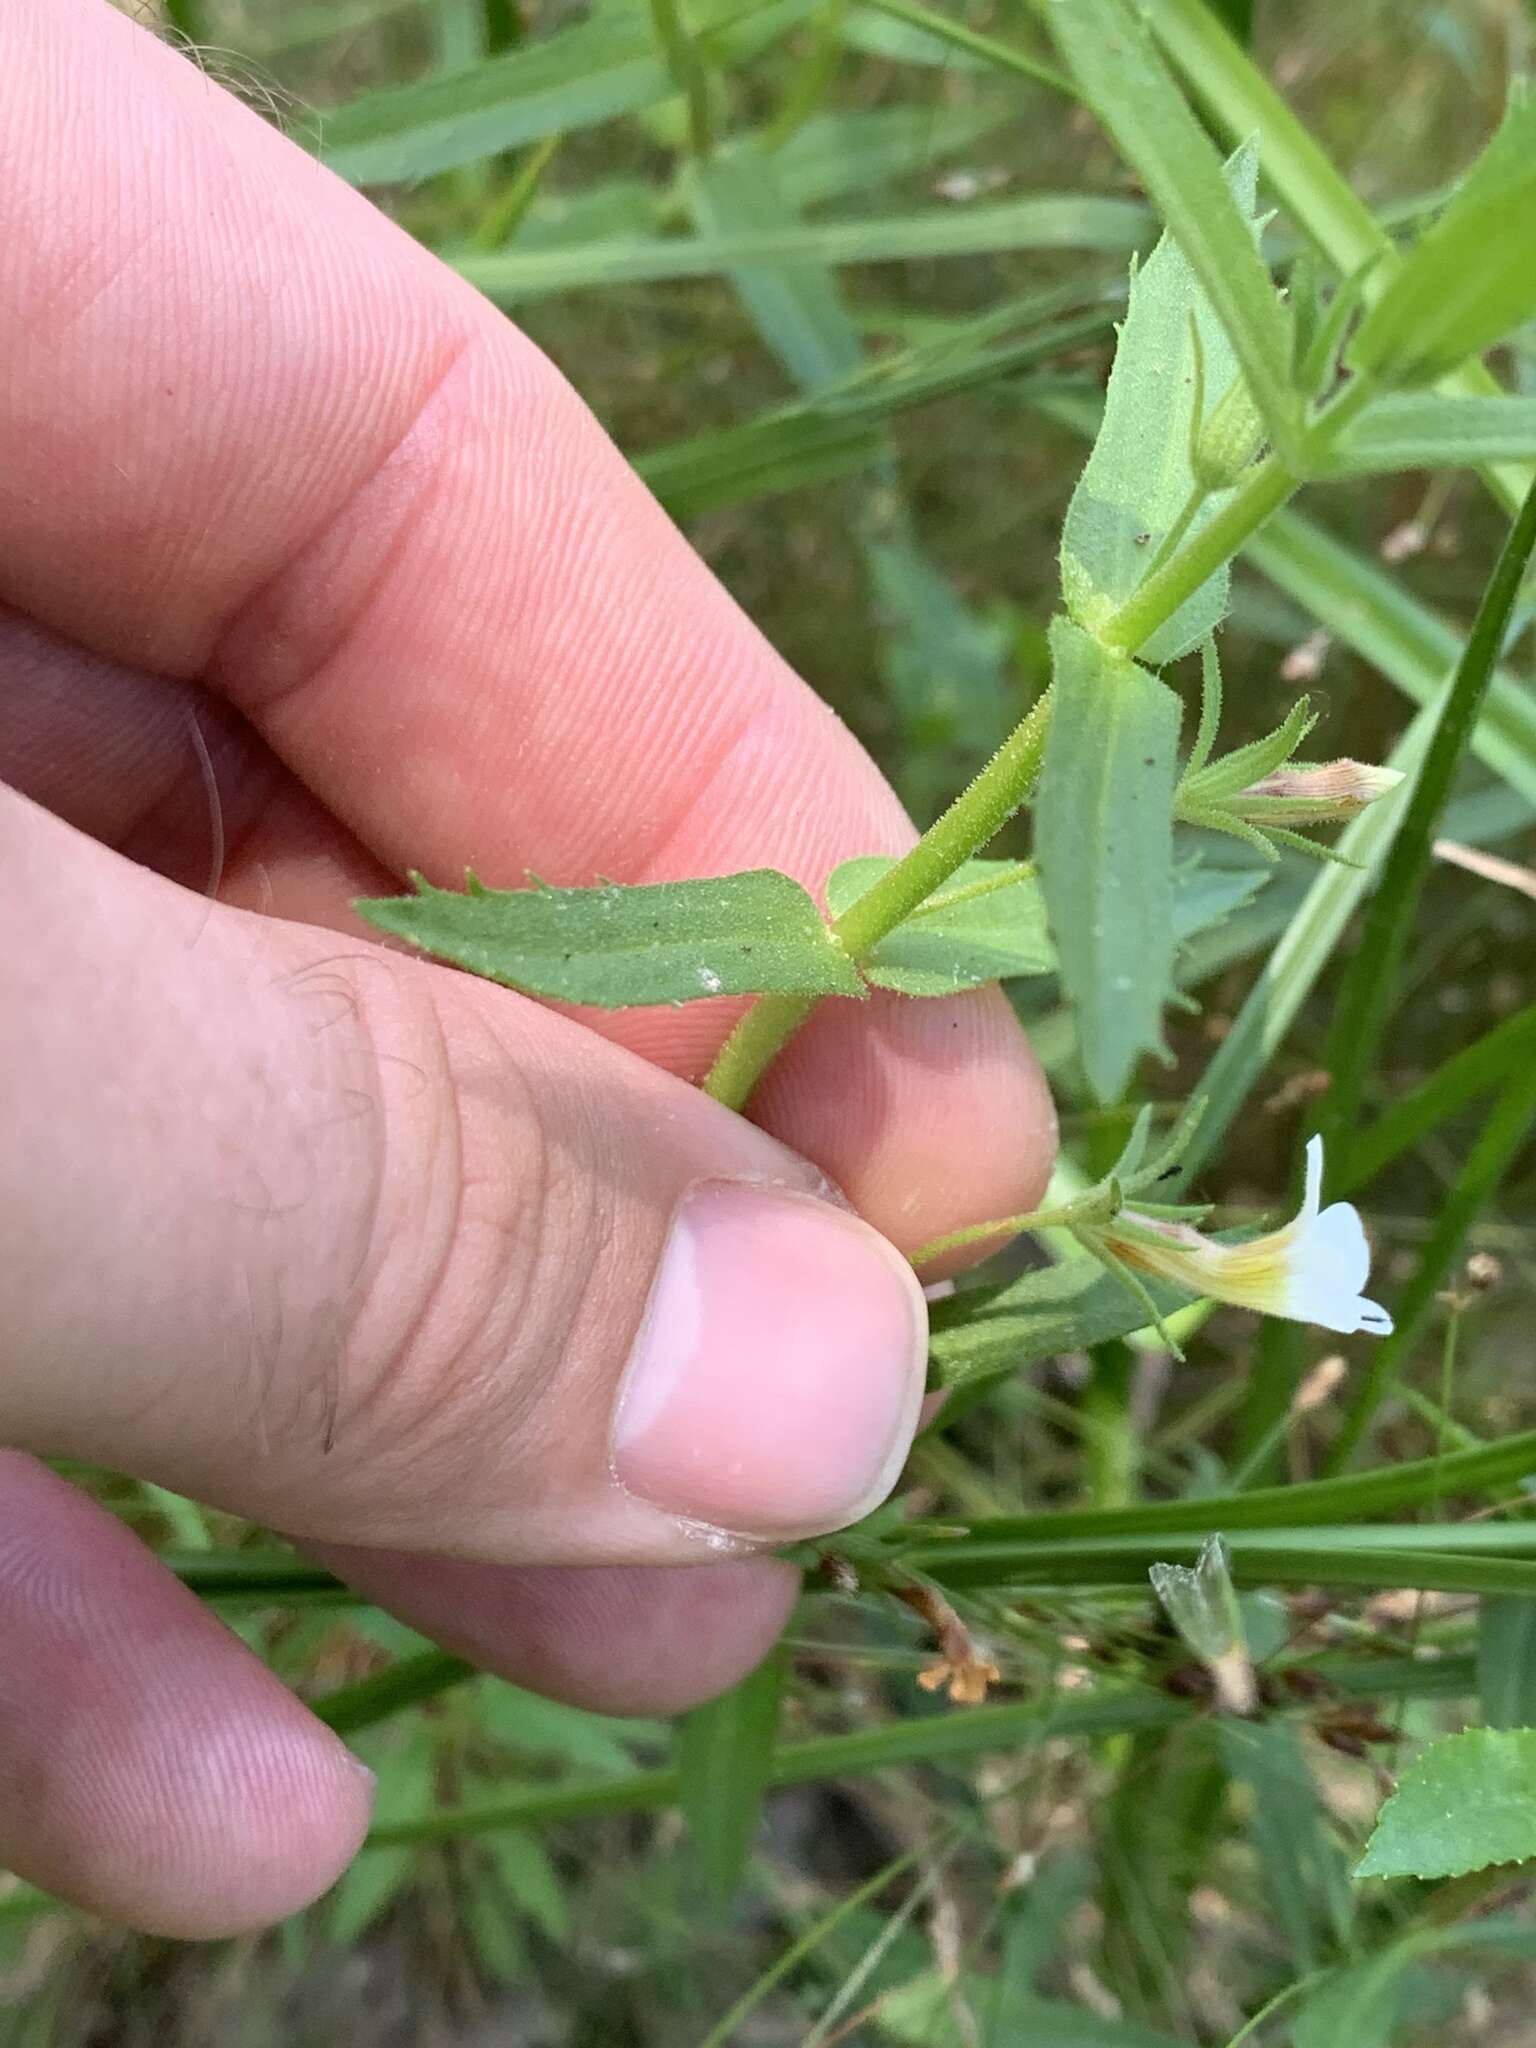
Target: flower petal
{"type": "Point", "coordinates": [1314, 1192]}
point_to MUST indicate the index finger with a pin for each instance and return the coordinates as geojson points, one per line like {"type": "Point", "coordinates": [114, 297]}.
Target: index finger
{"type": "Point", "coordinates": [261, 437]}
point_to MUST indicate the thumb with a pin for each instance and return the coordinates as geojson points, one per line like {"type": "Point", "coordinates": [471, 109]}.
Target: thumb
{"type": "Point", "coordinates": [378, 1254]}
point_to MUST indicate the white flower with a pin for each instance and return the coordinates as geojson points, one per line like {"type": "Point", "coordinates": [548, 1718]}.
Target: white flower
{"type": "Point", "coordinates": [1311, 1270]}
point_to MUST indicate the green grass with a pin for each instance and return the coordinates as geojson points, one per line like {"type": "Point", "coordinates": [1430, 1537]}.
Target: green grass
{"type": "Point", "coordinates": [877, 462]}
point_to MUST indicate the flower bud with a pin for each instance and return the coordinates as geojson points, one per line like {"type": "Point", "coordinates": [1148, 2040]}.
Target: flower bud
{"type": "Point", "coordinates": [1228, 440]}
{"type": "Point", "coordinates": [1322, 795]}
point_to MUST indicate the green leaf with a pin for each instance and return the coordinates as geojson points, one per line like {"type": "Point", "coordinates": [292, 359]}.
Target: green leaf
{"type": "Point", "coordinates": [735, 195]}
{"type": "Point", "coordinates": [1113, 1710]}
{"type": "Point", "coordinates": [1469, 1801]}
{"type": "Point", "coordinates": [1051, 221]}
{"type": "Point", "coordinates": [1476, 1070]}
{"type": "Point", "coordinates": [1139, 477]}
{"type": "Point", "coordinates": [723, 1752]}
{"type": "Point", "coordinates": [1472, 277]}
{"type": "Point", "coordinates": [1367, 991]}
{"type": "Point", "coordinates": [1411, 645]}
{"type": "Point", "coordinates": [402, 1684]}
{"type": "Point", "coordinates": [1359, 2004]}
{"type": "Point", "coordinates": [986, 924]}
{"type": "Point", "coordinates": [658, 942]}
{"type": "Point", "coordinates": [938, 39]}
{"type": "Point", "coordinates": [986, 1332]}
{"type": "Point", "coordinates": [1205, 896]}
{"type": "Point", "coordinates": [844, 151]}
{"type": "Point", "coordinates": [1302, 1864]}
{"type": "Point", "coordinates": [1386, 1490]}
{"type": "Point", "coordinates": [1506, 1128]}
{"type": "Point", "coordinates": [1506, 1662]}
{"type": "Point", "coordinates": [530, 1877]}
{"type": "Point", "coordinates": [1115, 61]}
{"type": "Point", "coordinates": [1421, 430]}
{"type": "Point", "coordinates": [602, 67]}
{"type": "Point", "coordinates": [542, 1731]}
{"type": "Point", "coordinates": [1104, 840]}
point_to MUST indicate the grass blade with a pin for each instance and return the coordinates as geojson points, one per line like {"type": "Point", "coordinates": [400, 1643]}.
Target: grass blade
{"type": "Point", "coordinates": [932, 1738]}
{"type": "Point", "coordinates": [405, 1684]}
{"type": "Point", "coordinates": [590, 73]}
{"type": "Point", "coordinates": [1048, 221]}
{"type": "Point", "coordinates": [1117, 65]}
{"type": "Point", "coordinates": [1492, 1469]}
{"type": "Point", "coordinates": [1370, 980]}
{"type": "Point", "coordinates": [1390, 629]}
{"type": "Point", "coordinates": [1500, 1140]}
{"type": "Point", "coordinates": [723, 1754]}
{"type": "Point", "coordinates": [1476, 1070]}
{"type": "Point", "coordinates": [1506, 1662]}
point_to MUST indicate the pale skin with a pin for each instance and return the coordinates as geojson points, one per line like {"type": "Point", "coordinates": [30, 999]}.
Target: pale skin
{"type": "Point", "coordinates": [348, 1244]}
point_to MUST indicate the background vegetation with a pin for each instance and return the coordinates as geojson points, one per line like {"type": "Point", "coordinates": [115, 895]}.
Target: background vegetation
{"type": "Point", "coordinates": [1098, 1857]}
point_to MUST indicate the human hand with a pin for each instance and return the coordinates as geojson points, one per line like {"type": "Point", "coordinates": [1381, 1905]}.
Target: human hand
{"type": "Point", "coordinates": [349, 1244]}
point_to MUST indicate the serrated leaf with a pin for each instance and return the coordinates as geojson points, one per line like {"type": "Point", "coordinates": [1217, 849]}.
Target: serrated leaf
{"type": "Point", "coordinates": [1110, 49]}
{"type": "Point", "coordinates": [618, 948]}
{"type": "Point", "coordinates": [1469, 1801]}
{"type": "Point", "coordinates": [1138, 478]}
{"type": "Point", "coordinates": [1104, 841]}
{"type": "Point", "coordinates": [1472, 277]}
{"type": "Point", "coordinates": [723, 1752]}
{"type": "Point", "coordinates": [957, 940]}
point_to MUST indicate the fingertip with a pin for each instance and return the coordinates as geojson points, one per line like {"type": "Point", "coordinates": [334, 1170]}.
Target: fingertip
{"type": "Point", "coordinates": [151, 1769]}
{"type": "Point", "coordinates": [222, 1824]}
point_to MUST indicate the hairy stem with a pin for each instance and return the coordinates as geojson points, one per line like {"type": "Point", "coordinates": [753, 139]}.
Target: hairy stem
{"type": "Point", "coordinates": [975, 816]}
{"type": "Point", "coordinates": [986, 804]}
{"type": "Point", "coordinates": [1155, 601]}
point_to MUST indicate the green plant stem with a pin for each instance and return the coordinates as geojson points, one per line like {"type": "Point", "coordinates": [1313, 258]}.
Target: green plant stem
{"type": "Point", "coordinates": [725, 2029]}
{"type": "Point", "coordinates": [688, 68]}
{"type": "Point", "coordinates": [1189, 513]}
{"type": "Point", "coordinates": [1118, 1710]}
{"type": "Point", "coordinates": [507, 214]}
{"type": "Point", "coordinates": [404, 1684]}
{"type": "Point", "coordinates": [975, 817]}
{"type": "Point", "coordinates": [1110, 1438]}
{"type": "Point", "coordinates": [1264, 491]}
{"type": "Point", "coordinates": [1241, 102]}
{"type": "Point", "coordinates": [1366, 998]}
{"type": "Point", "coordinates": [502, 25]}
{"type": "Point", "coordinates": [1091, 1207]}
{"type": "Point", "coordinates": [1276, 2004]}
{"type": "Point", "coordinates": [813, 81]}
{"type": "Point", "coordinates": [1002, 55]}
{"type": "Point", "coordinates": [1476, 1070]}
